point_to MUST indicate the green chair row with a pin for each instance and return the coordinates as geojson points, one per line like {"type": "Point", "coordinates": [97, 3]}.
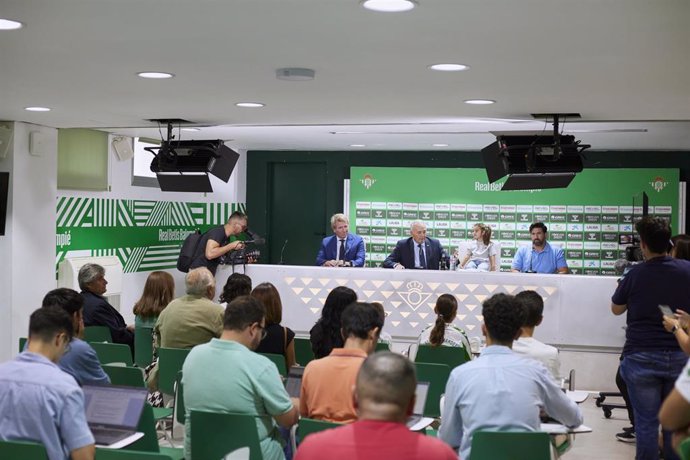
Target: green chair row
{"type": "Point", "coordinates": [450, 356]}
{"type": "Point", "coordinates": [113, 353]}
{"type": "Point", "coordinates": [97, 334]}
{"type": "Point", "coordinates": [25, 450]}
{"type": "Point", "coordinates": [143, 346]}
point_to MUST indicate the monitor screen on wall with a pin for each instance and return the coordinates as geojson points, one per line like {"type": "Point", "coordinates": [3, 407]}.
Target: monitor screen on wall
{"type": "Point", "coordinates": [4, 192]}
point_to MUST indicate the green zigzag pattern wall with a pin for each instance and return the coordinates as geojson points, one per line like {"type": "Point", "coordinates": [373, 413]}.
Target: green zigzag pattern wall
{"type": "Point", "coordinates": [145, 235]}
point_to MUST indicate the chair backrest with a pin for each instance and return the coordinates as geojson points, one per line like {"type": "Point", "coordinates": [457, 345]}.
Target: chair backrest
{"type": "Point", "coordinates": [303, 351]}
{"type": "Point", "coordinates": [109, 353]}
{"type": "Point", "coordinates": [510, 445]}
{"type": "Point", "coordinates": [97, 334]}
{"type": "Point", "coordinates": [382, 346]}
{"type": "Point", "coordinates": [307, 426]}
{"type": "Point", "coordinates": [170, 361]}
{"type": "Point", "coordinates": [437, 376]}
{"type": "Point", "coordinates": [684, 449]}
{"type": "Point", "coordinates": [178, 407]}
{"type": "Point", "coordinates": [120, 454]}
{"type": "Point", "coordinates": [143, 346]}
{"type": "Point", "coordinates": [215, 435]}
{"type": "Point", "coordinates": [147, 425]}
{"type": "Point", "coordinates": [279, 361]}
{"type": "Point", "coordinates": [125, 376]}
{"type": "Point", "coordinates": [25, 450]}
{"type": "Point", "coordinates": [22, 343]}
{"type": "Point", "coordinates": [450, 356]}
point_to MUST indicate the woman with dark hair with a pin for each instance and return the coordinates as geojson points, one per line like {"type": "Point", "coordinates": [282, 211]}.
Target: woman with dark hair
{"type": "Point", "coordinates": [326, 335]}
{"type": "Point", "coordinates": [681, 247]}
{"type": "Point", "coordinates": [159, 290]}
{"type": "Point", "coordinates": [443, 332]}
{"type": "Point", "coordinates": [237, 284]}
{"type": "Point", "coordinates": [278, 339]}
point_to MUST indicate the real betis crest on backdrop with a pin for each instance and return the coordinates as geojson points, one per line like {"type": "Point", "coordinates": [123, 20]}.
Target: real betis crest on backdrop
{"type": "Point", "coordinates": [144, 235]}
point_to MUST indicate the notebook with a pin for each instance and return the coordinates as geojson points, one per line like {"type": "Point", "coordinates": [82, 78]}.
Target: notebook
{"type": "Point", "coordinates": [113, 412]}
{"type": "Point", "coordinates": [419, 403]}
{"type": "Point", "coordinates": [293, 385]}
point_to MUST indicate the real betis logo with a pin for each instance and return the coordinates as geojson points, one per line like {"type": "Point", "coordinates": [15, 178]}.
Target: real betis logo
{"type": "Point", "coordinates": [368, 181]}
{"type": "Point", "coordinates": [658, 183]}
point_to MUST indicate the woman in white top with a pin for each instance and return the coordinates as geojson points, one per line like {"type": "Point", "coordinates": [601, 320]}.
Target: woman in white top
{"type": "Point", "coordinates": [481, 255]}
{"type": "Point", "coordinates": [443, 332]}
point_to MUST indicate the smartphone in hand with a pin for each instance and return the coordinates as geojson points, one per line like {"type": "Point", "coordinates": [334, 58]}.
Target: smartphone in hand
{"type": "Point", "coordinates": [666, 311]}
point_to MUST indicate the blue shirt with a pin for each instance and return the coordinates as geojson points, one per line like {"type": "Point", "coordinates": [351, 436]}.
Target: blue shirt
{"type": "Point", "coordinates": [82, 363]}
{"type": "Point", "coordinates": [501, 391]}
{"type": "Point", "coordinates": [547, 261]}
{"type": "Point", "coordinates": [661, 280]}
{"type": "Point", "coordinates": [41, 403]}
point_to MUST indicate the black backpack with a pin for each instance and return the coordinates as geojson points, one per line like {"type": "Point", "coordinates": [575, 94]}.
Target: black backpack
{"type": "Point", "coordinates": [188, 250]}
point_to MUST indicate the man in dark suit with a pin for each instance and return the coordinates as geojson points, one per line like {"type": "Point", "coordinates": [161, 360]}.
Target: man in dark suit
{"type": "Point", "coordinates": [342, 248]}
{"type": "Point", "coordinates": [418, 251]}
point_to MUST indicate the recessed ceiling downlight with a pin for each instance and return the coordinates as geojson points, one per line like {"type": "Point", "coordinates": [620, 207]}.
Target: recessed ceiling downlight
{"type": "Point", "coordinates": [155, 75]}
{"type": "Point", "coordinates": [439, 145]}
{"type": "Point", "coordinates": [357, 145]}
{"type": "Point", "coordinates": [191, 130]}
{"type": "Point", "coordinates": [449, 67]}
{"type": "Point", "coordinates": [479, 101]}
{"type": "Point", "coordinates": [8, 24]}
{"type": "Point", "coordinates": [251, 105]}
{"type": "Point", "coordinates": [389, 6]}
{"type": "Point", "coordinates": [37, 109]}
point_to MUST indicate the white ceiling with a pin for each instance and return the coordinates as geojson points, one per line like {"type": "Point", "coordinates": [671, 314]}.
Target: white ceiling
{"type": "Point", "coordinates": [622, 64]}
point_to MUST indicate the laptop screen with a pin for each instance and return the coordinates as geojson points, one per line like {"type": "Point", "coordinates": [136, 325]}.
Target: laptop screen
{"type": "Point", "coordinates": [114, 406]}
{"type": "Point", "coordinates": [293, 385]}
{"type": "Point", "coordinates": [420, 400]}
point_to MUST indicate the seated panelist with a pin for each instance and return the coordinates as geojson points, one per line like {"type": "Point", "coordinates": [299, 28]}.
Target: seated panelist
{"type": "Point", "coordinates": [343, 249]}
{"type": "Point", "coordinates": [417, 251]}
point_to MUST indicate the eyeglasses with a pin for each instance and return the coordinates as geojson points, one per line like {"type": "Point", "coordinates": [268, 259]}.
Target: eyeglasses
{"type": "Point", "coordinates": [264, 332]}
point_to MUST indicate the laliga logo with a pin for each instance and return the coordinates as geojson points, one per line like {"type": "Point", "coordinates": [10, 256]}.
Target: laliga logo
{"type": "Point", "coordinates": [368, 181]}
{"type": "Point", "coordinates": [658, 183]}
{"type": "Point", "coordinates": [414, 296]}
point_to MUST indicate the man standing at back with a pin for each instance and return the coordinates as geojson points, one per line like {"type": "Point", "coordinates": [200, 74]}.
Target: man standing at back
{"type": "Point", "coordinates": [384, 396]}
{"type": "Point", "coordinates": [225, 375]}
{"type": "Point", "coordinates": [541, 257]}
{"type": "Point", "coordinates": [38, 401]}
{"type": "Point", "coordinates": [214, 243]}
{"type": "Point", "coordinates": [417, 251]}
{"type": "Point", "coordinates": [327, 383]}
{"type": "Point", "coordinates": [342, 248]}
{"type": "Point", "coordinates": [501, 390]}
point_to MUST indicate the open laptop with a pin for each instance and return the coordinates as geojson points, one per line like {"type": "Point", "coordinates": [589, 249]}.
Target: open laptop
{"type": "Point", "coordinates": [293, 384]}
{"type": "Point", "coordinates": [420, 401]}
{"type": "Point", "coordinates": [113, 412]}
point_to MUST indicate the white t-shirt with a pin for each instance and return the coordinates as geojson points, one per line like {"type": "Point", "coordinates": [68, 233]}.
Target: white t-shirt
{"type": "Point", "coordinates": [453, 337]}
{"type": "Point", "coordinates": [548, 355]}
{"type": "Point", "coordinates": [480, 251]}
{"type": "Point", "coordinates": [683, 382]}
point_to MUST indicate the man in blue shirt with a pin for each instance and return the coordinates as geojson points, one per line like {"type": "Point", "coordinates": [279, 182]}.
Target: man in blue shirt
{"type": "Point", "coordinates": [501, 390]}
{"type": "Point", "coordinates": [38, 401]}
{"type": "Point", "coordinates": [541, 257]}
{"type": "Point", "coordinates": [81, 361]}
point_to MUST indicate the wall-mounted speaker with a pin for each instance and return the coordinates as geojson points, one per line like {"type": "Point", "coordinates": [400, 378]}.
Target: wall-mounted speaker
{"type": "Point", "coordinates": [37, 143]}
{"type": "Point", "coordinates": [123, 148]}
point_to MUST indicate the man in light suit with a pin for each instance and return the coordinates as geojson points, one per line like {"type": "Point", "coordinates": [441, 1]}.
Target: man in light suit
{"type": "Point", "coordinates": [343, 248]}
{"type": "Point", "coordinates": [418, 251]}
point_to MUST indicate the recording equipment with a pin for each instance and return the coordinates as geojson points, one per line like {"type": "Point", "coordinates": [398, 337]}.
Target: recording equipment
{"type": "Point", "coordinates": [280, 262]}
{"type": "Point", "coordinates": [254, 237]}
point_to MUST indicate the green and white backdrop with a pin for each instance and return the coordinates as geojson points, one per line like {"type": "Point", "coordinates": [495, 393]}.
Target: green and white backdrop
{"type": "Point", "coordinates": [144, 234]}
{"type": "Point", "coordinates": [585, 219]}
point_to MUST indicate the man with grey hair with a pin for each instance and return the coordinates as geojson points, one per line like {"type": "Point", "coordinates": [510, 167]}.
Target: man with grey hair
{"type": "Point", "coordinates": [342, 249]}
{"type": "Point", "coordinates": [97, 310]}
{"type": "Point", "coordinates": [417, 251]}
{"type": "Point", "coordinates": [384, 397]}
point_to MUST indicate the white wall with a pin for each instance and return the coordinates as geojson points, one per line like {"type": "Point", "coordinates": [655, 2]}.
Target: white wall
{"type": "Point", "coordinates": [27, 251]}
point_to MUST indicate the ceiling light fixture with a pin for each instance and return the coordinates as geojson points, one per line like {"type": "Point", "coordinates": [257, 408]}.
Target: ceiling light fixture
{"type": "Point", "coordinates": [357, 145]}
{"type": "Point", "coordinates": [155, 75]}
{"type": "Point", "coordinates": [37, 109]}
{"type": "Point", "coordinates": [479, 101]}
{"type": "Point", "coordinates": [191, 130]}
{"type": "Point", "coordinates": [8, 24]}
{"type": "Point", "coordinates": [439, 145]}
{"type": "Point", "coordinates": [449, 67]}
{"type": "Point", "coordinates": [251, 105]}
{"type": "Point", "coordinates": [389, 6]}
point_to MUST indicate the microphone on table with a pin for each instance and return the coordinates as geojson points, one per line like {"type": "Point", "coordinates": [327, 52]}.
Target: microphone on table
{"type": "Point", "coordinates": [281, 253]}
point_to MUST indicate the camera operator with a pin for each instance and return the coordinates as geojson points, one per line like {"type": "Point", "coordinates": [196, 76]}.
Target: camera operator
{"type": "Point", "coordinates": [652, 359]}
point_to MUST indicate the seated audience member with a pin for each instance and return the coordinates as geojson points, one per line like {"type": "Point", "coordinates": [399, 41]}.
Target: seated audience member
{"type": "Point", "coordinates": [80, 361]}
{"type": "Point", "coordinates": [384, 337]}
{"type": "Point", "coordinates": [38, 401]}
{"type": "Point", "coordinates": [443, 332]}
{"type": "Point", "coordinates": [526, 344]}
{"type": "Point", "coordinates": [680, 246]}
{"type": "Point", "coordinates": [675, 411]}
{"type": "Point", "coordinates": [279, 339]}
{"type": "Point", "coordinates": [384, 396]}
{"type": "Point", "coordinates": [652, 358]}
{"type": "Point", "coordinates": [97, 310]}
{"type": "Point", "coordinates": [417, 251]}
{"type": "Point", "coordinates": [225, 375]}
{"type": "Point", "coordinates": [159, 290]}
{"type": "Point", "coordinates": [327, 383]}
{"type": "Point", "coordinates": [238, 284]}
{"type": "Point", "coordinates": [501, 390]}
{"type": "Point", "coordinates": [481, 255]}
{"type": "Point", "coordinates": [326, 334]}
{"type": "Point", "coordinates": [541, 257]}
{"type": "Point", "coordinates": [342, 248]}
